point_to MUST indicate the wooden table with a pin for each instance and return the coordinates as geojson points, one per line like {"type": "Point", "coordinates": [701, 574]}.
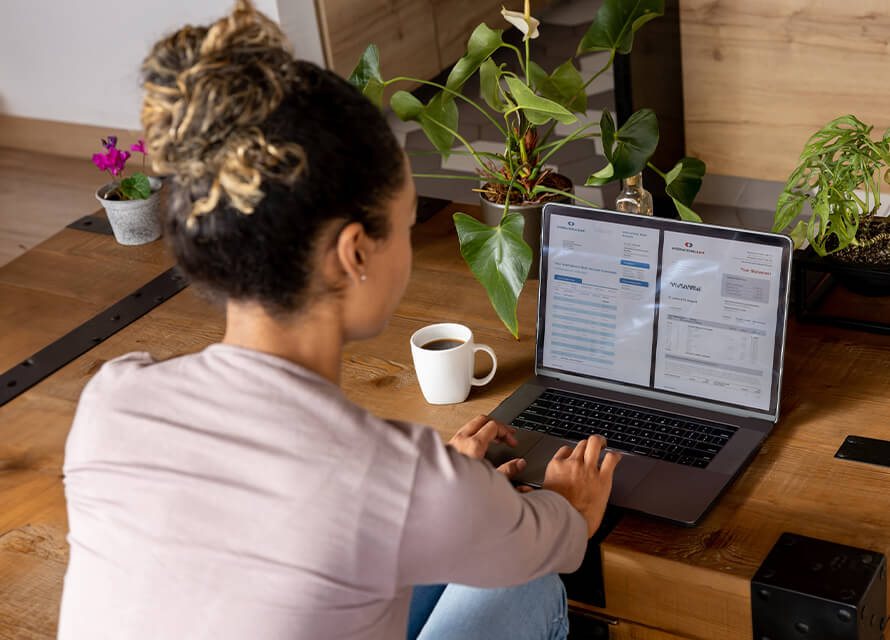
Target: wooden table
{"type": "Point", "coordinates": [662, 581]}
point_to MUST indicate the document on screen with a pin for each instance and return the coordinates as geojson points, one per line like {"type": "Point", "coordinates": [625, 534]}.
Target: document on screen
{"type": "Point", "coordinates": [717, 319]}
{"type": "Point", "coordinates": [601, 299]}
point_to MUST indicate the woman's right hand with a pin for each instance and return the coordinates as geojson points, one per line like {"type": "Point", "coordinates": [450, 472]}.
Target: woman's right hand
{"type": "Point", "coordinates": [580, 479]}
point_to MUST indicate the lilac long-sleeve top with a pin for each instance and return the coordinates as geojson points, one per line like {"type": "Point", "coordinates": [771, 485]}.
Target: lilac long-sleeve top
{"type": "Point", "coordinates": [233, 494]}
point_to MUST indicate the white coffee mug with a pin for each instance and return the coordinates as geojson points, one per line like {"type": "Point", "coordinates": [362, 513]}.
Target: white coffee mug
{"type": "Point", "coordinates": [445, 369]}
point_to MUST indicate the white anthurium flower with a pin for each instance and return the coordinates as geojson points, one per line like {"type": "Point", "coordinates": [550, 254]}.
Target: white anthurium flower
{"type": "Point", "coordinates": [522, 21]}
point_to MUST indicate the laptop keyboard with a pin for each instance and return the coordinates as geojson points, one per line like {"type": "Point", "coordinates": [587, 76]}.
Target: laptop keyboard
{"type": "Point", "coordinates": [627, 428]}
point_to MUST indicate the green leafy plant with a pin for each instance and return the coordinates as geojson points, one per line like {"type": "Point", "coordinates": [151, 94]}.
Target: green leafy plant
{"type": "Point", "coordinates": [839, 159]}
{"type": "Point", "coordinates": [519, 104]}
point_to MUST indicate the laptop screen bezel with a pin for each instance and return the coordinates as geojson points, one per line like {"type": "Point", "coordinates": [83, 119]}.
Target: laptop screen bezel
{"type": "Point", "coordinates": [666, 224]}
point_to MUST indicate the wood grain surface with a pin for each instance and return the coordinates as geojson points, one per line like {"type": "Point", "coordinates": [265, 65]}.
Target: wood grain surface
{"type": "Point", "coordinates": [662, 582]}
{"type": "Point", "coordinates": [760, 76]}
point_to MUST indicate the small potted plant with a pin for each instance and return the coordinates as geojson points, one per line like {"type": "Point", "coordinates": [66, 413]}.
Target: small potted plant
{"type": "Point", "coordinates": [525, 104]}
{"type": "Point", "coordinates": [839, 177]}
{"type": "Point", "coordinates": [133, 203]}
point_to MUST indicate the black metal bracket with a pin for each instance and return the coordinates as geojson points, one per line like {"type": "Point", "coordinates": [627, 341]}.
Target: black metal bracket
{"type": "Point", "coordinates": [586, 584]}
{"type": "Point", "coordinates": [809, 588]}
{"type": "Point", "coordinates": [97, 329]}
{"type": "Point", "coordinates": [817, 277]}
{"type": "Point", "coordinates": [93, 224]}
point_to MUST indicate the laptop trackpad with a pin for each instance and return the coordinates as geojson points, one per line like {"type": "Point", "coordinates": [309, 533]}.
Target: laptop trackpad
{"type": "Point", "coordinates": [628, 474]}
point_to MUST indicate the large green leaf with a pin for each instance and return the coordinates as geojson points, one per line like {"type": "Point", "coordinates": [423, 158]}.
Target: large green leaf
{"type": "Point", "coordinates": [684, 180]}
{"type": "Point", "coordinates": [685, 212]}
{"type": "Point", "coordinates": [482, 43]}
{"type": "Point", "coordinates": [438, 118]}
{"type": "Point", "coordinates": [616, 22]}
{"type": "Point", "coordinates": [538, 110]}
{"type": "Point", "coordinates": [500, 260]}
{"type": "Point", "coordinates": [366, 75]}
{"type": "Point", "coordinates": [565, 86]}
{"type": "Point", "coordinates": [628, 149]}
{"type": "Point", "coordinates": [489, 74]}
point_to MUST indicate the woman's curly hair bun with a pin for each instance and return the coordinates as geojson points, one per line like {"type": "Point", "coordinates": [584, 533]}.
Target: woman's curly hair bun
{"type": "Point", "coordinates": [207, 91]}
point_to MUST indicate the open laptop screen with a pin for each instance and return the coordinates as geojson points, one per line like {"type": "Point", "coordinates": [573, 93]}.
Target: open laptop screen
{"type": "Point", "coordinates": [679, 308]}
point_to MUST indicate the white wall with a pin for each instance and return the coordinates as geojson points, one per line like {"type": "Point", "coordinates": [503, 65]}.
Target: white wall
{"type": "Point", "coordinates": [78, 61]}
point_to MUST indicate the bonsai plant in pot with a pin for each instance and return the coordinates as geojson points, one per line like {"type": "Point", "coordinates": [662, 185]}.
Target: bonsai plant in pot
{"type": "Point", "coordinates": [525, 103]}
{"type": "Point", "coordinates": [133, 204]}
{"type": "Point", "coordinates": [839, 180]}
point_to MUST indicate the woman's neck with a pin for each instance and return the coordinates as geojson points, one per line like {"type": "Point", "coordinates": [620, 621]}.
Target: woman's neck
{"type": "Point", "coordinates": [312, 340]}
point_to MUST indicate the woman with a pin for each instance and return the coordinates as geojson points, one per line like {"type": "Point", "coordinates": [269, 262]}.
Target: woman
{"type": "Point", "coordinates": [235, 492]}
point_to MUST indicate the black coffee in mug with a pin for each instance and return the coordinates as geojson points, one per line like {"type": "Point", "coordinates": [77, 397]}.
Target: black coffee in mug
{"type": "Point", "coordinates": [441, 344]}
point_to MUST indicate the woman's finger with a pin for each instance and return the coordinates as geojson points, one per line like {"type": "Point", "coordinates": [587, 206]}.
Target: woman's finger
{"type": "Point", "coordinates": [610, 460]}
{"type": "Point", "coordinates": [487, 433]}
{"type": "Point", "coordinates": [473, 425]}
{"type": "Point", "coordinates": [505, 434]}
{"type": "Point", "coordinates": [594, 448]}
{"type": "Point", "coordinates": [580, 448]}
{"type": "Point", "coordinates": [563, 452]}
{"type": "Point", "coordinates": [512, 467]}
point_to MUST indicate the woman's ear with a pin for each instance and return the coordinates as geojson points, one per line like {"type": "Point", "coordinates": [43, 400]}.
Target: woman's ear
{"type": "Point", "coordinates": [352, 248]}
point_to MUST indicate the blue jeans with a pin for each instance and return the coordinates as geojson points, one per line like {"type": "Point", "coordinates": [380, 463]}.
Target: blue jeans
{"type": "Point", "coordinates": [533, 611]}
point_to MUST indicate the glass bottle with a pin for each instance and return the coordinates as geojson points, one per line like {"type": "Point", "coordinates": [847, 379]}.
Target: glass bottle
{"type": "Point", "coordinates": [633, 197]}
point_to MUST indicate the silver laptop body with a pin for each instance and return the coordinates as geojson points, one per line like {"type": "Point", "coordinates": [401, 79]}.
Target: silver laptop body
{"type": "Point", "coordinates": [647, 317]}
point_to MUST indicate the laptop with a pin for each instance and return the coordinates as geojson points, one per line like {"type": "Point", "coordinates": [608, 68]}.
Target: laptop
{"type": "Point", "coordinates": [665, 337]}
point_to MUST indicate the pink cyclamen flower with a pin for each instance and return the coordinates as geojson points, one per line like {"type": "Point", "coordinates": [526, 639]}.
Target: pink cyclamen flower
{"type": "Point", "coordinates": [140, 147]}
{"type": "Point", "coordinates": [111, 143]}
{"type": "Point", "coordinates": [100, 161]}
{"type": "Point", "coordinates": [117, 160]}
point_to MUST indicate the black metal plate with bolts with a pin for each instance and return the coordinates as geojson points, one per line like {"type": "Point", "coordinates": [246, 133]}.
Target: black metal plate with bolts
{"type": "Point", "coordinates": [93, 224]}
{"type": "Point", "coordinates": [92, 332]}
{"type": "Point", "coordinates": [586, 585]}
{"type": "Point", "coordinates": [818, 590]}
{"type": "Point", "coordinates": [868, 450]}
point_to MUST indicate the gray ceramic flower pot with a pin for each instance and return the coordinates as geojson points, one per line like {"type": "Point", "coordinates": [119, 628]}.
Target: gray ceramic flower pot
{"type": "Point", "coordinates": [134, 221]}
{"type": "Point", "coordinates": [531, 233]}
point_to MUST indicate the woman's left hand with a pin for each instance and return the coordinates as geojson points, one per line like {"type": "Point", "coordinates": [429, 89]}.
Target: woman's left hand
{"type": "Point", "coordinates": [473, 439]}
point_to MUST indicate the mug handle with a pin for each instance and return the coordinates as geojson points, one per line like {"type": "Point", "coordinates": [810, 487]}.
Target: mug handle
{"type": "Point", "coordinates": [478, 382]}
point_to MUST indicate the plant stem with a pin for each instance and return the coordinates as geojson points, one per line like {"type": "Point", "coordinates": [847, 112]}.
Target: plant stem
{"type": "Point", "coordinates": [539, 189]}
{"type": "Point", "coordinates": [450, 91]}
{"type": "Point", "coordinates": [657, 170]}
{"type": "Point", "coordinates": [484, 154]}
{"type": "Point", "coordinates": [559, 143]}
{"type": "Point", "coordinates": [583, 88]}
{"type": "Point", "coordinates": [546, 135]}
{"type": "Point", "coordinates": [469, 147]}
{"type": "Point", "coordinates": [527, 76]}
{"type": "Point", "coordinates": [445, 176]}
{"type": "Point", "coordinates": [518, 56]}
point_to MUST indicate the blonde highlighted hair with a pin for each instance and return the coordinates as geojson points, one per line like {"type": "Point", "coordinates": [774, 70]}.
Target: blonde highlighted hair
{"type": "Point", "coordinates": [206, 93]}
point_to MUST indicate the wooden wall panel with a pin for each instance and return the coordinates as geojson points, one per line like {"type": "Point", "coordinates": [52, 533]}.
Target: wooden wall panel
{"type": "Point", "coordinates": [760, 76]}
{"type": "Point", "coordinates": [455, 21]}
{"type": "Point", "coordinates": [403, 30]}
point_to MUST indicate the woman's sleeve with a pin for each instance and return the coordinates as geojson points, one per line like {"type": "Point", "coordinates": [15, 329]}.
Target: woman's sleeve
{"type": "Point", "coordinates": [467, 524]}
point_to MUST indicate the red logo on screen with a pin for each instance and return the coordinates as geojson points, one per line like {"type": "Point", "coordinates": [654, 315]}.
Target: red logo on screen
{"type": "Point", "coordinates": [687, 244]}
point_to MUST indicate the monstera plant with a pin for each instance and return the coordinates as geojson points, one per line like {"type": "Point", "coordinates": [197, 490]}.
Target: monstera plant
{"type": "Point", "coordinates": [837, 161]}
{"type": "Point", "coordinates": [525, 102]}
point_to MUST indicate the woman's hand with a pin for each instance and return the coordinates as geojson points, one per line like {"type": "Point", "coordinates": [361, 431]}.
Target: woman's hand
{"type": "Point", "coordinates": [473, 439]}
{"type": "Point", "coordinates": [578, 475]}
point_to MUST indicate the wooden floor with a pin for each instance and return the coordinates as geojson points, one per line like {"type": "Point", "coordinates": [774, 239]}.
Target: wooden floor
{"type": "Point", "coordinates": [39, 194]}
